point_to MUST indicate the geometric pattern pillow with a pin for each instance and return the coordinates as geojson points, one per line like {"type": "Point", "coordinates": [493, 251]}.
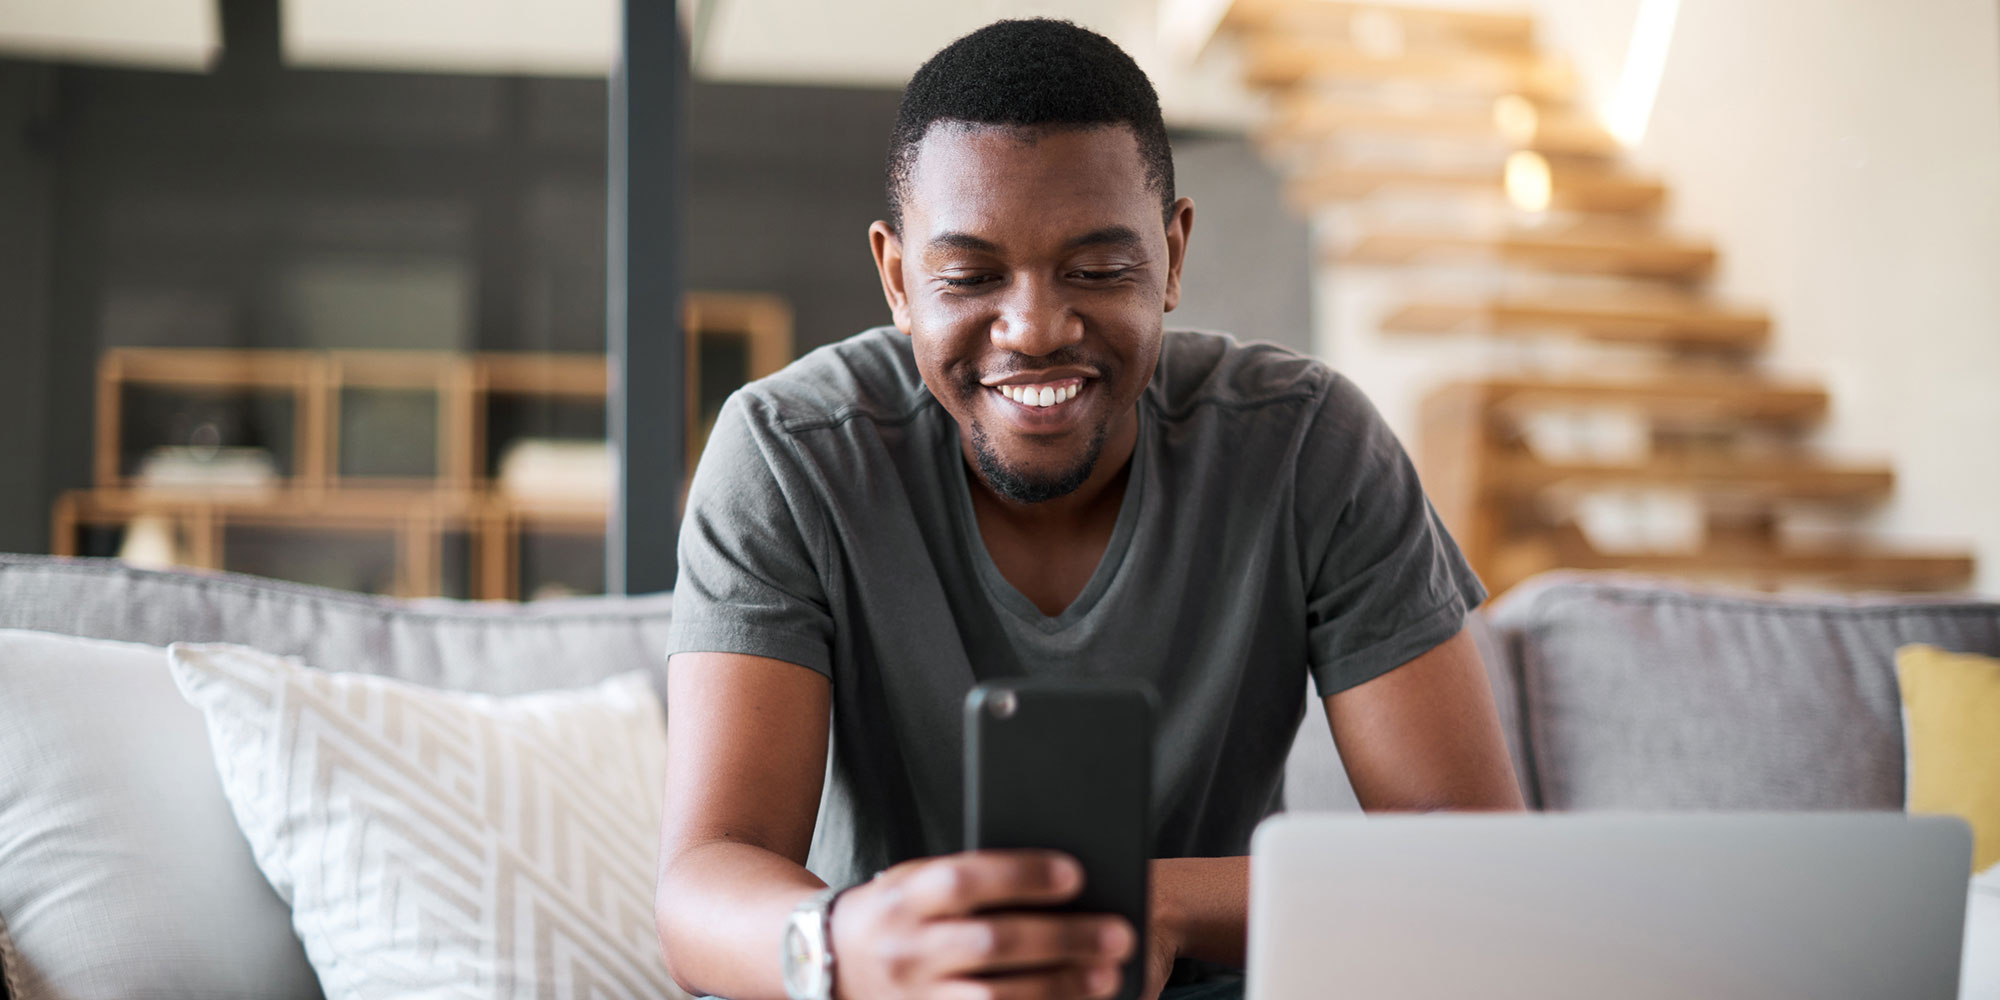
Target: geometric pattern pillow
{"type": "Point", "coordinates": [441, 843]}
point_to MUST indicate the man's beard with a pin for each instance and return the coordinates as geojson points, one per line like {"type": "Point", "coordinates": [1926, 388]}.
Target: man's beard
{"type": "Point", "coordinates": [1023, 488]}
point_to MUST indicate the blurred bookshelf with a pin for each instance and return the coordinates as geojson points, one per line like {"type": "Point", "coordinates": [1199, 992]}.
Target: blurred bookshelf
{"type": "Point", "coordinates": [412, 473]}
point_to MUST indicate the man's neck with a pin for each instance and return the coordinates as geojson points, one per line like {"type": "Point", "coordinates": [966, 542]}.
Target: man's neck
{"type": "Point", "coordinates": [1049, 551]}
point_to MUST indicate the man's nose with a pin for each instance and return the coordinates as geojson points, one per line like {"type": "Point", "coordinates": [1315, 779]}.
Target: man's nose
{"type": "Point", "coordinates": [1035, 319]}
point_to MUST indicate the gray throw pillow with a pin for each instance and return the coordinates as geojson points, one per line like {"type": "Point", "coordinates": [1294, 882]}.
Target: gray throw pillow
{"type": "Point", "coordinates": [122, 871]}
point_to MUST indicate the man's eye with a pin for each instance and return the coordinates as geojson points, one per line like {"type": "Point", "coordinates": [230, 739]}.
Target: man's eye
{"type": "Point", "coordinates": [966, 282]}
{"type": "Point", "coordinates": [1098, 275]}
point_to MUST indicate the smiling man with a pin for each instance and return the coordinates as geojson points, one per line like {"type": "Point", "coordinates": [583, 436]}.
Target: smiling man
{"type": "Point", "coordinates": [1029, 476]}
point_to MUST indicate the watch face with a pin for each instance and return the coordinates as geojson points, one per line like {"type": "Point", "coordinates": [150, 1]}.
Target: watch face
{"type": "Point", "coordinates": [802, 966]}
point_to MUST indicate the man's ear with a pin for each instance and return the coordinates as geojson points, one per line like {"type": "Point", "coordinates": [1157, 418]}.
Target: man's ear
{"type": "Point", "coordinates": [888, 250]}
{"type": "Point", "coordinates": [1180, 225]}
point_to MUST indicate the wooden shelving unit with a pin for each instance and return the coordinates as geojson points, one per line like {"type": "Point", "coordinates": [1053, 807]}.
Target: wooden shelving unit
{"type": "Point", "coordinates": [317, 496]}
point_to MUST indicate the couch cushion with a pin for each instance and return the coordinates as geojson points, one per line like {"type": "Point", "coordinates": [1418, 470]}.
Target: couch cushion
{"type": "Point", "coordinates": [122, 873]}
{"type": "Point", "coordinates": [494, 648]}
{"type": "Point", "coordinates": [436, 843]}
{"type": "Point", "coordinates": [1640, 694]}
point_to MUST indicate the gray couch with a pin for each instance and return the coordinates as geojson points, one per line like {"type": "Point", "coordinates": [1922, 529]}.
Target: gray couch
{"type": "Point", "coordinates": [1616, 693]}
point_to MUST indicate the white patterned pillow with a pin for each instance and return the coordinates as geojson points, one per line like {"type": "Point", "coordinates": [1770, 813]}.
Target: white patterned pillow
{"type": "Point", "coordinates": [444, 844]}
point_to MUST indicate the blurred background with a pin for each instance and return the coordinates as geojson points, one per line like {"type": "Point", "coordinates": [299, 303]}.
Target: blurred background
{"type": "Point", "coordinates": [320, 289]}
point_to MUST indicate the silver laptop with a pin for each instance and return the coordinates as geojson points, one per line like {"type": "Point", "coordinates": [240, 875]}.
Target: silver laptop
{"type": "Point", "coordinates": [1824, 906]}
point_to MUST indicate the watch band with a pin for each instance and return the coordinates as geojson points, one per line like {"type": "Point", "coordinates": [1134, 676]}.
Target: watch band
{"type": "Point", "coordinates": [812, 919]}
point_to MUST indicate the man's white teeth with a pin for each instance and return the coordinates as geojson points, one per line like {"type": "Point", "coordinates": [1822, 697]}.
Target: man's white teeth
{"type": "Point", "coordinates": [1044, 396]}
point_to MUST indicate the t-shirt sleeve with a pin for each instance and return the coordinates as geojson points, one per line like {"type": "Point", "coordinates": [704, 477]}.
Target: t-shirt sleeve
{"type": "Point", "coordinates": [752, 547]}
{"type": "Point", "coordinates": [1385, 583]}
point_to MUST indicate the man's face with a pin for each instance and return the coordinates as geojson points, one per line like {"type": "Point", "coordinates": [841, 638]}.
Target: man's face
{"type": "Point", "coordinates": [1032, 272]}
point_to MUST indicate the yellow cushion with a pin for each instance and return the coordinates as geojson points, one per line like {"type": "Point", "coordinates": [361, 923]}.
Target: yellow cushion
{"type": "Point", "coordinates": [1951, 739]}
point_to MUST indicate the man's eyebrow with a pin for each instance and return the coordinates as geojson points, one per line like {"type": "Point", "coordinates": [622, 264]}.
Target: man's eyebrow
{"type": "Point", "coordinates": [1121, 237]}
{"type": "Point", "coordinates": [961, 241]}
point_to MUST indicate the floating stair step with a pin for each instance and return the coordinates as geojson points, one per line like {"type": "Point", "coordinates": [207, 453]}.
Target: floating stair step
{"type": "Point", "coordinates": [1413, 26]}
{"type": "Point", "coordinates": [1564, 547]}
{"type": "Point", "coordinates": [1851, 567]}
{"type": "Point", "coordinates": [1574, 191]}
{"type": "Point", "coordinates": [1690, 324]}
{"type": "Point", "coordinates": [1666, 397]}
{"type": "Point", "coordinates": [1767, 479]}
{"type": "Point", "coordinates": [1638, 254]}
{"type": "Point", "coordinates": [1283, 61]}
{"type": "Point", "coordinates": [1311, 119]}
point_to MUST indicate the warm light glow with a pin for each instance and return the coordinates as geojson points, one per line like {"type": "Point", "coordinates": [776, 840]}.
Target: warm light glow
{"type": "Point", "coordinates": [1187, 26]}
{"type": "Point", "coordinates": [1530, 186]}
{"type": "Point", "coordinates": [1517, 119]}
{"type": "Point", "coordinates": [1377, 33]}
{"type": "Point", "coordinates": [1645, 62]}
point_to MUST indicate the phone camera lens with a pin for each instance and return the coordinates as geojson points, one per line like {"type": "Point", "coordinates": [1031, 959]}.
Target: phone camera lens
{"type": "Point", "coordinates": [1003, 705]}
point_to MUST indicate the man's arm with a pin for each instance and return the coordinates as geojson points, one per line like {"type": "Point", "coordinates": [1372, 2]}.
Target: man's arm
{"type": "Point", "coordinates": [746, 755]}
{"type": "Point", "coordinates": [1421, 737]}
{"type": "Point", "coordinates": [1426, 735]}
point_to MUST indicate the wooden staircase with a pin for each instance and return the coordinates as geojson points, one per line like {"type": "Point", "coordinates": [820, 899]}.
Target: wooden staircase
{"type": "Point", "coordinates": [1377, 110]}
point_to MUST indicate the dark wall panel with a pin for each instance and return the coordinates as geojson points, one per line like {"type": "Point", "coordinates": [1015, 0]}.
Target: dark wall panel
{"type": "Point", "coordinates": [1249, 266]}
{"type": "Point", "coordinates": [26, 195]}
{"type": "Point", "coordinates": [783, 184]}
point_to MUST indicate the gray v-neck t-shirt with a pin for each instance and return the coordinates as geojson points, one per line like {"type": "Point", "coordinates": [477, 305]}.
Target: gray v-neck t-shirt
{"type": "Point", "coordinates": [1272, 529]}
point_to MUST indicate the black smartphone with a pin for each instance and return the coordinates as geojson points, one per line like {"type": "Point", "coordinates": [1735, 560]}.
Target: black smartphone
{"type": "Point", "coordinates": [1067, 765]}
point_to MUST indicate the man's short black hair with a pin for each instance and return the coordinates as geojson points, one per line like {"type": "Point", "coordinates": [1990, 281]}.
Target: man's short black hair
{"type": "Point", "coordinates": [1036, 73]}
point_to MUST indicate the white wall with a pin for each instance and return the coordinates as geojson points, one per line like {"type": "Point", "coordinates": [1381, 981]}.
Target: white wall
{"type": "Point", "coordinates": [1845, 157]}
{"type": "Point", "coordinates": [1845, 154]}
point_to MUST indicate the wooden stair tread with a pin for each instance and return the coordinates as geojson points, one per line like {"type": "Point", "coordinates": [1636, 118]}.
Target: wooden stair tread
{"type": "Point", "coordinates": [1639, 254]}
{"type": "Point", "coordinates": [1565, 547]}
{"type": "Point", "coordinates": [1308, 120]}
{"type": "Point", "coordinates": [1706, 397]}
{"type": "Point", "coordinates": [1863, 567]}
{"type": "Point", "coordinates": [1795, 478]}
{"type": "Point", "coordinates": [1621, 321]}
{"type": "Point", "coordinates": [1491, 29]}
{"type": "Point", "coordinates": [1597, 192]}
{"type": "Point", "coordinates": [1275, 61]}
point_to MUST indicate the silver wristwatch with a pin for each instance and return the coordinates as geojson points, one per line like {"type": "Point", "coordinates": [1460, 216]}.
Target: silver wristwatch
{"type": "Point", "coordinates": [808, 948]}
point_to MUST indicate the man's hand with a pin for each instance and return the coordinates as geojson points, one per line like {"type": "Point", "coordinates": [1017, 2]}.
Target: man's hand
{"type": "Point", "coordinates": [953, 927]}
{"type": "Point", "coordinates": [1162, 948]}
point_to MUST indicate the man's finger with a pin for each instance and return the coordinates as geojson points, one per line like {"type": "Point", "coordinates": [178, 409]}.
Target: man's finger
{"type": "Point", "coordinates": [1015, 942]}
{"type": "Point", "coordinates": [963, 884]}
